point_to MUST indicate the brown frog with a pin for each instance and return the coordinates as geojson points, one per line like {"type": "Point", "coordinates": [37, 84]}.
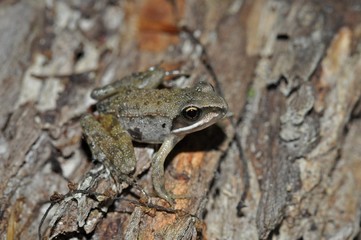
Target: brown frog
{"type": "Point", "coordinates": [132, 109]}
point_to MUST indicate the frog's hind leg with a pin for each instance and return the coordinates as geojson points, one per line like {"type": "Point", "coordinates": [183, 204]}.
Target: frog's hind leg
{"type": "Point", "coordinates": [112, 146]}
{"type": "Point", "coordinates": [151, 78]}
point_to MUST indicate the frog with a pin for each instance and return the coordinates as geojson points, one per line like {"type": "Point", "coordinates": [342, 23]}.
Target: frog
{"type": "Point", "coordinates": [135, 109]}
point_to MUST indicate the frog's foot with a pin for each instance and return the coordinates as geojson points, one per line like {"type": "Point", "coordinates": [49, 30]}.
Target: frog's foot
{"type": "Point", "coordinates": [170, 198]}
{"type": "Point", "coordinates": [182, 196]}
{"type": "Point", "coordinates": [158, 185]}
{"type": "Point", "coordinates": [132, 182]}
{"type": "Point", "coordinates": [176, 74]}
{"type": "Point", "coordinates": [162, 193]}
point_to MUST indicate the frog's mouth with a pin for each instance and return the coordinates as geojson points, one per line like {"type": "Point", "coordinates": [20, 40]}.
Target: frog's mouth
{"type": "Point", "coordinates": [181, 125]}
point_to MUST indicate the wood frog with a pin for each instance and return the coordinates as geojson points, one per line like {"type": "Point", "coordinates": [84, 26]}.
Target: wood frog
{"type": "Point", "coordinates": [132, 109]}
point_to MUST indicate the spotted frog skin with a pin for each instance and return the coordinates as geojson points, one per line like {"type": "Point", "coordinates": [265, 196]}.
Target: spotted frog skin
{"type": "Point", "coordinates": [132, 109]}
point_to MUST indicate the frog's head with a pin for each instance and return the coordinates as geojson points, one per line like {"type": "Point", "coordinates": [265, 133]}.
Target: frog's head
{"type": "Point", "coordinates": [200, 108]}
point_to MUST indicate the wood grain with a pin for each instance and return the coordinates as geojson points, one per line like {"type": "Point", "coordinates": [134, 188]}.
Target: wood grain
{"type": "Point", "coordinates": [289, 70]}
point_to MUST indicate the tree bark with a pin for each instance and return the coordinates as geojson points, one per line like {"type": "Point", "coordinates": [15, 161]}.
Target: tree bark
{"type": "Point", "coordinates": [285, 165]}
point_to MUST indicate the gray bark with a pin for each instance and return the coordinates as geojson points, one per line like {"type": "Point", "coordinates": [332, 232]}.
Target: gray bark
{"type": "Point", "coordinates": [284, 166]}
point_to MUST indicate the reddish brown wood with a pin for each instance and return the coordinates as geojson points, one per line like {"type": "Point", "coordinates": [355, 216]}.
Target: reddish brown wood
{"type": "Point", "coordinates": [289, 70]}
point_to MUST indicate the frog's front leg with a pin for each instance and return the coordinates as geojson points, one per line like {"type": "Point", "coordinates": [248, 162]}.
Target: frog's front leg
{"type": "Point", "coordinates": [158, 167]}
{"type": "Point", "coordinates": [111, 145]}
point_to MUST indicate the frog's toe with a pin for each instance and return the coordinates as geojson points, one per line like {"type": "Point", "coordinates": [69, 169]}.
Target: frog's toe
{"type": "Point", "coordinates": [168, 197]}
{"type": "Point", "coordinates": [162, 193]}
{"type": "Point", "coordinates": [182, 196]}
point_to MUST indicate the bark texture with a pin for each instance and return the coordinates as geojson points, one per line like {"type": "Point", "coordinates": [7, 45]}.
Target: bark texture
{"type": "Point", "coordinates": [285, 165]}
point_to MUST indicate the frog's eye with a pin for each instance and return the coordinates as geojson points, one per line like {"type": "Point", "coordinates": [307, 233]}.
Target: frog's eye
{"type": "Point", "coordinates": [191, 113]}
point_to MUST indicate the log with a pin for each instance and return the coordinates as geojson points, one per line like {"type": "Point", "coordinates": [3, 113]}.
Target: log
{"type": "Point", "coordinates": [284, 165]}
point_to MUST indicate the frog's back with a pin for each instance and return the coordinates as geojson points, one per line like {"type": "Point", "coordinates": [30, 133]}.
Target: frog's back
{"type": "Point", "coordinates": [150, 115]}
{"type": "Point", "coordinates": [146, 114]}
{"type": "Point", "coordinates": [133, 102]}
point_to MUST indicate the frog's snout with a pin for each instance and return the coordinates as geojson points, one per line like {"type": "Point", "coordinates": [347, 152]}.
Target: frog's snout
{"type": "Point", "coordinates": [224, 109]}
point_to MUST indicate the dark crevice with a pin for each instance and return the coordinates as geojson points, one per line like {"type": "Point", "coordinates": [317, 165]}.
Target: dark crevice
{"type": "Point", "coordinates": [283, 37]}
{"type": "Point", "coordinates": [7, 122]}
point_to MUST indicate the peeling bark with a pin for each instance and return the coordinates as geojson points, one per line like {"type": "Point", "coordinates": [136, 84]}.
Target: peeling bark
{"type": "Point", "coordinates": [289, 70]}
